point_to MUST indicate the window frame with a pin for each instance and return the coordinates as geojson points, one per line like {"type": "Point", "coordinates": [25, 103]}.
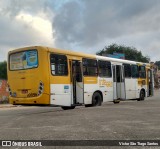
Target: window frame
{"type": "Point", "coordinates": [83, 60]}
{"type": "Point", "coordinates": [20, 52]}
{"type": "Point", "coordinates": [142, 71]}
{"type": "Point", "coordinates": [104, 76]}
{"type": "Point", "coordinates": [132, 71]}
{"type": "Point", "coordinates": [55, 64]}
{"type": "Point", "coordinates": [128, 77]}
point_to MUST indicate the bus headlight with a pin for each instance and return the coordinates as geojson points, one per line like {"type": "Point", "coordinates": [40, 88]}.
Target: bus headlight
{"type": "Point", "coordinates": [41, 88]}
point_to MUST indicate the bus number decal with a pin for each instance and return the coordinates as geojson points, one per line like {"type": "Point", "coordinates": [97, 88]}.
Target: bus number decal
{"type": "Point", "coordinates": [103, 82]}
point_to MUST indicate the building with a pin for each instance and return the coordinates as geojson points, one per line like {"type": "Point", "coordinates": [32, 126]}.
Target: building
{"type": "Point", "coordinates": [156, 73]}
{"type": "Point", "coordinates": [3, 91]}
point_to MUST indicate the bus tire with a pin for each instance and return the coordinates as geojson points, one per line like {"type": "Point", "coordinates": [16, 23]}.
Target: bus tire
{"type": "Point", "coordinates": [116, 101]}
{"type": "Point", "coordinates": [96, 99]}
{"type": "Point", "coordinates": [88, 105]}
{"type": "Point", "coordinates": [68, 108]}
{"type": "Point", "coordinates": [141, 95]}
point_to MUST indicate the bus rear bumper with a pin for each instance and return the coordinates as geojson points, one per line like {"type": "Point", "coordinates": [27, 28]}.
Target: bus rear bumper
{"type": "Point", "coordinates": [43, 100]}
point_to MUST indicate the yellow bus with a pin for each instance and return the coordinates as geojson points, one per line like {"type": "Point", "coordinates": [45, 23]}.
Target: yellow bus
{"type": "Point", "coordinates": [49, 76]}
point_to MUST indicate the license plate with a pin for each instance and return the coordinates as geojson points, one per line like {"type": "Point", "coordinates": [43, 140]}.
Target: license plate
{"type": "Point", "coordinates": [24, 91]}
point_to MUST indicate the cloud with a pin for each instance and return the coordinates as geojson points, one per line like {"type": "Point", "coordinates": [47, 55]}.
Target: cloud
{"type": "Point", "coordinates": [85, 25]}
{"type": "Point", "coordinates": [39, 25]}
{"type": "Point", "coordinates": [13, 7]}
{"type": "Point", "coordinates": [68, 25]}
{"type": "Point", "coordinates": [22, 27]}
{"type": "Point", "coordinates": [91, 24]}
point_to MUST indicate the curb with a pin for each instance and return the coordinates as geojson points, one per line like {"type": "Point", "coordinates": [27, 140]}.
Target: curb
{"type": "Point", "coordinates": [7, 106]}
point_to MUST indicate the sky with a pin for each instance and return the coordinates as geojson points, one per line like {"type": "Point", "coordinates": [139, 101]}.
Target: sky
{"type": "Point", "coordinates": [80, 25]}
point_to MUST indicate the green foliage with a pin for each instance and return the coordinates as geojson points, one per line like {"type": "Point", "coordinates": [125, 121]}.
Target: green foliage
{"type": "Point", "coordinates": [3, 70]}
{"type": "Point", "coordinates": [158, 64]}
{"type": "Point", "coordinates": [131, 53]}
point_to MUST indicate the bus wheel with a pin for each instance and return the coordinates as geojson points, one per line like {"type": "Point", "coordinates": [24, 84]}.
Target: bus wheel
{"type": "Point", "coordinates": [96, 99]}
{"type": "Point", "coordinates": [116, 101]}
{"type": "Point", "coordinates": [88, 105]}
{"type": "Point", "coordinates": [141, 96]}
{"type": "Point", "coordinates": [68, 108]}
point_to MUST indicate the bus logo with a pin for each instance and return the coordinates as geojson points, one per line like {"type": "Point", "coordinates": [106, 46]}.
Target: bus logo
{"type": "Point", "coordinates": [103, 82]}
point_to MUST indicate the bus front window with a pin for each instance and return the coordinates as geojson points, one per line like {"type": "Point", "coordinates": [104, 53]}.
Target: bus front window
{"type": "Point", "coordinates": [24, 60]}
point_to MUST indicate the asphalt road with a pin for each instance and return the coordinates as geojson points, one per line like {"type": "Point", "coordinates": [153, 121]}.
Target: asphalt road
{"type": "Point", "coordinates": [128, 120]}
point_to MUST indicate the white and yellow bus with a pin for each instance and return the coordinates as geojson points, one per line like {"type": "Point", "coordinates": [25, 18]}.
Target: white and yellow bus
{"type": "Point", "coordinates": [49, 76]}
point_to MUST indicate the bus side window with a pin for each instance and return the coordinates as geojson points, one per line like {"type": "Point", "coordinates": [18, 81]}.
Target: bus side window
{"type": "Point", "coordinates": [127, 70]}
{"type": "Point", "coordinates": [90, 67]}
{"type": "Point", "coordinates": [58, 65]}
{"type": "Point", "coordinates": [142, 71]}
{"type": "Point", "coordinates": [135, 71]}
{"type": "Point", "coordinates": [104, 69]}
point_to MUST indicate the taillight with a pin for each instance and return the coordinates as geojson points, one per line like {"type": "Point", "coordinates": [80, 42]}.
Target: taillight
{"type": "Point", "coordinates": [10, 91]}
{"type": "Point", "coordinates": [41, 88]}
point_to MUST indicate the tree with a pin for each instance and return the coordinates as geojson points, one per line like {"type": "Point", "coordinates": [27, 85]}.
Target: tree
{"type": "Point", "coordinates": [3, 70]}
{"type": "Point", "coordinates": [158, 64]}
{"type": "Point", "coordinates": [131, 53]}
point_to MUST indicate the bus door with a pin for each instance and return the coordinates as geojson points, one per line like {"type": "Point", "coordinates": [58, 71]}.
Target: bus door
{"type": "Point", "coordinates": [118, 82]}
{"type": "Point", "coordinates": [150, 85]}
{"type": "Point", "coordinates": [77, 82]}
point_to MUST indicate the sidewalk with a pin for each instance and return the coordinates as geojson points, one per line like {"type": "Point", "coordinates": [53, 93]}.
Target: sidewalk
{"type": "Point", "coordinates": [7, 105]}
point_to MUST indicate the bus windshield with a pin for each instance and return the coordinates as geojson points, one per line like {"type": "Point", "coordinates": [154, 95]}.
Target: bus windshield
{"type": "Point", "coordinates": [24, 60]}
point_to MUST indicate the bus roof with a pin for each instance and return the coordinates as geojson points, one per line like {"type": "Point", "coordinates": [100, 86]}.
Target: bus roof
{"type": "Point", "coordinates": [80, 54]}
